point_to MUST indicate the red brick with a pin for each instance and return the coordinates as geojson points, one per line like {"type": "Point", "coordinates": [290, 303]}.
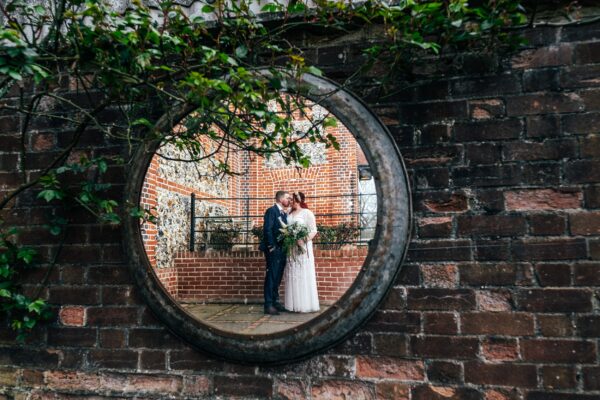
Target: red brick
{"type": "Point", "coordinates": [587, 53]}
{"type": "Point", "coordinates": [507, 374]}
{"type": "Point", "coordinates": [386, 344]}
{"type": "Point", "coordinates": [585, 76]}
{"type": "Point", "coordinates": [488, 130]}
{"type": "Point", "coordinates": [74, 295]}
{"type": "Point", "coordinates": [289, 389]}
{"type": "Point", "coordinates": [444, 347]}
{"type": "Point", "coordinates": [72, 337]}
{"type": "Point", "coordinates": [547, 103]}
{"type": "Point", "coordinates": [435, 226]}
{"type": "Point", "coordinates": [111, 338]}
{"type": "Point", "coordinates": [112, 316]}
{"type": "Point", "coordinates": [587, 274]}
{"type": "Point", "coordinates": [392, 390]}
{"type": "Point", "coordinates": [446, 203]}
{"type": "Point", "coordinates": [546, 224]}
{"type": "Point", "coordinates": [588, 326]}
{"type": "Point", "coordinates": [487, 108]}
{"type": "Point", "coordinates": [440, 323]}
{"type": "Point", "coordinates": [583, 171]}
{"type": "Point", "coordinates": [441, 299]}
{"type": "Point", "coordinates": [491, 225]}
{"type": "Point", "coordinates": [544, 57]}
{"type": "Point", "coordinates": [444, 372]}
{"type": "Point", "coordinates": [591, 378]}
{"type": "Point", "coordinates": [334, 389]}
{"type": "Point", "coordinates": [556, 249]}
{"type": "Point", "coordinates": [553, 274]}
{"type": "Point", "coordinates": [543, 126]}
{"type": "Point", "coordinates": [497, 323]}
{"type": "Point", "coordinates": [585, 223]}
{"type": "Point", "coordinates": [389, 368]}
{"type": "Point", "coordinates": [496, 274]}
{"type": "Point", "coordinates": [441, 276]}
{"type": "Point", "coordinates": [590, 146]}
{"type": "Point", "coordinates": [72, 316]}
{"type": "Point", "coordinates": [501, 394]}
{"type": "Point", "coordinates": [555, 300]}
{"type": "Point", "coordinates": [498, 349]}
{"type": "Point", "coordinates": [494, 300]}
{"type": "Point", "coordinates": [113, 358]}
{"type": "Point", "coordinates": [558, 351]}
{"type": "Point", "coordinates": [424, 392]}
{"type": "Point", "coordinates": [558, 377]}
{"type": "Point", "coordinates": [542, 199]}
{"type": "Point", "coordinates": [392, 321]}
{"type": "Point", "coordinates": [555, 325]}
{"type": "Point", "coordinates": [483, 153]}
{"type": "Point", "coordinates": [153, 360]}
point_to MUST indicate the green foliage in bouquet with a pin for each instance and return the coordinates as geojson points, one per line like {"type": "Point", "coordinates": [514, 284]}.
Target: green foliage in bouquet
{"type": "Point", "coordinates": [289, 237]}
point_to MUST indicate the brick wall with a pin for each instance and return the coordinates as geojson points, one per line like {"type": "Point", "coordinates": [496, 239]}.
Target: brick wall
{"type": "Point", "coordinates": [241, 275]}
{"type": "Point", "coordinates": [498, 297]}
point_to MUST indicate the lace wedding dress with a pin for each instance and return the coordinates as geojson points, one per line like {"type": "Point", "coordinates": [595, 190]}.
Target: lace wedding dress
{"type": "Point", "coordinates": [300, 278]}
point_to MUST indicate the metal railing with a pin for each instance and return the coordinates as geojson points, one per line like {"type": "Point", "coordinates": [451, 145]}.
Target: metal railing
{"type": "Point", "coordinates": [241, 228]}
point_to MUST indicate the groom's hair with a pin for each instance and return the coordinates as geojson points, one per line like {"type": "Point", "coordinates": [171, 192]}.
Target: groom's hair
{"type": "Point", "coordinates": [280, 195]}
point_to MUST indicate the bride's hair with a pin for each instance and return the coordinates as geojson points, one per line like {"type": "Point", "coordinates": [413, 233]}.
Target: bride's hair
{"type": "Point", "coordinates": [299, 198]}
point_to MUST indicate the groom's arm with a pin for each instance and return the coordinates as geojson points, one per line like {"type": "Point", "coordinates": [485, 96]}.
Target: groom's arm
{"type": "Point", "coordinates": [269, 228]}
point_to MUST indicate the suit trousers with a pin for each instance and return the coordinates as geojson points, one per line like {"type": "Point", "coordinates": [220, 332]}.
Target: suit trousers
{"type": "Point", "coordinates": [275, 265]}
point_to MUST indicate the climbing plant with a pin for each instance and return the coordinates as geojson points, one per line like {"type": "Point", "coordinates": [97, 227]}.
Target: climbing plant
{"type": "Point", "coordinates": [130, 75]}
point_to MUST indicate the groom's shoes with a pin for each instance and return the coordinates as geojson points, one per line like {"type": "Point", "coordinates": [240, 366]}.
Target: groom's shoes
{"type": "Point", "coordinates": [279, 307]}
{"type": "Point", "coordinates": [271, 311]}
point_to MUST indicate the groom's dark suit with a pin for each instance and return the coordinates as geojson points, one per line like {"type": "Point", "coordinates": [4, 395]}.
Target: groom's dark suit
{"type": "Point", "coordinates": [273, 253]}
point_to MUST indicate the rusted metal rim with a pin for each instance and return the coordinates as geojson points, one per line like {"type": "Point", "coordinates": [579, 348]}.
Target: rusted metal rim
{"type": "Point", "coordinates": [381, 266]}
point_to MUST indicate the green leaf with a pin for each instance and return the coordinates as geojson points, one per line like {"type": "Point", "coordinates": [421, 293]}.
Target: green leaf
{"type": "Point", "coordinates": [26, 255]}
{"type": "Point", "coordinates": [50, 194]}
{"type": "Point", "coordinates": [241, 51]}
{"type": "Point", "coordinates": [315, 71]}
{"type": "Point", "coordinates": [208, 8]}
{"type": "Point", "coordinates": [15, 75]}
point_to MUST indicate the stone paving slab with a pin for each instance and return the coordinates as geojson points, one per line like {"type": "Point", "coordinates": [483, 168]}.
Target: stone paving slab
{"type": "Point", "coordinates": [247, 318]}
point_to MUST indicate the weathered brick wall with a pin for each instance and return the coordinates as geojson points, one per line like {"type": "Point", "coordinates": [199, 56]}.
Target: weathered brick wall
{"type": "Point", "coordinates": [498, 297]}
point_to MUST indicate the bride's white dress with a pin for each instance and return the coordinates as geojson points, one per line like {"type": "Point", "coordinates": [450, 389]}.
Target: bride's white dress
{"type": "Point", "coordinates": [300, 278]}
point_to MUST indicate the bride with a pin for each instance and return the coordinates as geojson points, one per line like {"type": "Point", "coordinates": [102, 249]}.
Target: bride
{"type": "Point", "coordinates": [300, 278]}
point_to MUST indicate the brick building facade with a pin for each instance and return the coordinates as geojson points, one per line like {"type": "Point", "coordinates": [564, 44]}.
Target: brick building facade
{"type": "Point", "coordinates": [498, 296]}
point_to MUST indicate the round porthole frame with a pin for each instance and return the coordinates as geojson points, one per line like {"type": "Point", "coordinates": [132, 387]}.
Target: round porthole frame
{"type": "Point", "coordinates": [382, 264]}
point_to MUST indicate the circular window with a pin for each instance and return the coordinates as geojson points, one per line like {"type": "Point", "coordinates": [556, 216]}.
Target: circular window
{"type": "Point", "coordinates": [359, 193]}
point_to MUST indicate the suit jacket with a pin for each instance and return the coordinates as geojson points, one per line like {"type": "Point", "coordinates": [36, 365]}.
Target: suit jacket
{"type": "Point", "coordinates": [271, 228]}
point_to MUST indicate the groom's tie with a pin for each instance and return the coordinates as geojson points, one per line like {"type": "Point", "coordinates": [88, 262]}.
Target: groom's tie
{"type": "Point", "coordinates": [283, 216]}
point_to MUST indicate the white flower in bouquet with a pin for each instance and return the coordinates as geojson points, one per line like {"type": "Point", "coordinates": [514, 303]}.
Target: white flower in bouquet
{"type": "Point", "coordinates": [290, 235]}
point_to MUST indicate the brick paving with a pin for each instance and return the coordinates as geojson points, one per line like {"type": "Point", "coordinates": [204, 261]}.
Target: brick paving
{"type": "Point", "coordinates": [247, 318]}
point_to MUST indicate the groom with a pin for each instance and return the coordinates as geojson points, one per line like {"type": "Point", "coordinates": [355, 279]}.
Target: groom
{"type": "Point", "coordinates": [273, 251]}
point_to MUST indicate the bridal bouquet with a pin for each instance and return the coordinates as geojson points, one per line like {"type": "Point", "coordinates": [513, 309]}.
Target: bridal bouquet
{"type": "Point", "coordinates": [289, 236]}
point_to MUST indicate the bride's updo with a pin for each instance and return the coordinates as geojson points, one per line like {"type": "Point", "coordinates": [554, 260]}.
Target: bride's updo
{"type": "Point", "coordinates": [300, 198]}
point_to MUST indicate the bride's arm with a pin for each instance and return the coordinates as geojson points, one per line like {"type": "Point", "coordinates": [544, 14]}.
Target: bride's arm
{"type": "Point", "coordinates": [312, 225]}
